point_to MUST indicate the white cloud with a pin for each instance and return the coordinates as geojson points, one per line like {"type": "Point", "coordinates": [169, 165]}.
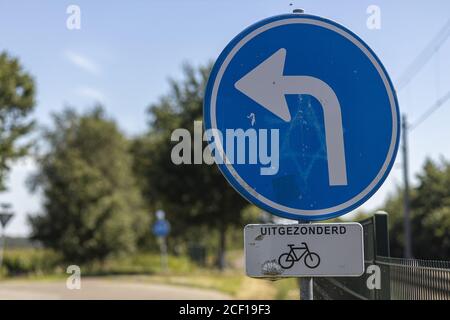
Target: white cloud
{"type": "Point", "coordinates": [83, 62]}
{"type": "Point", "coordinates": [92, 94]}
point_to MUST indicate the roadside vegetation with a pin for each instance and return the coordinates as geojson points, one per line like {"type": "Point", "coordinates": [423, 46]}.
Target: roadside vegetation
{"type": "Point", "coordinates": [43, 264]}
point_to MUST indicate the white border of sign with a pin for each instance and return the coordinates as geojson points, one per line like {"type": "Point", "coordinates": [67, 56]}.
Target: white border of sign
{"type": "Point", "coordinates": [392, 100]}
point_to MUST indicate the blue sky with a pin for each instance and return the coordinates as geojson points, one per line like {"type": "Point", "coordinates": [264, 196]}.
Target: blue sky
{"type": "Point", "coordinates": [126, 51]}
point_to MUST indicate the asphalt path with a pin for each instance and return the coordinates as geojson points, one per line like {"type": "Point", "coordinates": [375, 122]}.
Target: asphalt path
{"type": "Point", "coordinates": [103, 289]}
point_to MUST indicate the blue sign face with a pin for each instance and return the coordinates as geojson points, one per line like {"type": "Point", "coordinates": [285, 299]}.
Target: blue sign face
{"type": "Point", "coordinates": [161, 228]}
{"type": "Point", "coordinates": [306, 115]}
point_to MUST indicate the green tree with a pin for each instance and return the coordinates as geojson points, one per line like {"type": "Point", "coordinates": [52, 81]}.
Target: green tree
{"type": "Point", "coordinates": [92, 206]}
{"type": "Point", "coordinates": [193, 196]}
{"type": "Point", "coordinates": [16, 103]}
{"type": "Point", "coordinates": [430, 214]}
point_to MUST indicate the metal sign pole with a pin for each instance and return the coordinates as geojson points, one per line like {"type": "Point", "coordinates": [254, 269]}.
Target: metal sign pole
{"type": "Point", "coordinates": [306, 288]}
{"type": "Point", "coordinates": [163, 249]}
{"type": "Point", "coordinates": [406, 200]}
{"type": "Point", "coordinates": [306, 283]}
{"type": "Point", "coordinates": [161, 229]}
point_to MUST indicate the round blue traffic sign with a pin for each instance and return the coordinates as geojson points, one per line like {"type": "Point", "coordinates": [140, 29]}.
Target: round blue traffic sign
{"type": "Point", "coordinates": [301, 117]}
{"type": "Point", "coordinates": [161, 228]}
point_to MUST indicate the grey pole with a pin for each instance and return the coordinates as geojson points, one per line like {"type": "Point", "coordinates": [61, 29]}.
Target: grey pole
{"type": "Point", "coordinates": [306, 283]}
{"type": "Point", "coordinates": [306, 288]}
{"type": "Point", "coordinates": [164, 258]}
{"type": "Point", "coordinates": [406, 200]}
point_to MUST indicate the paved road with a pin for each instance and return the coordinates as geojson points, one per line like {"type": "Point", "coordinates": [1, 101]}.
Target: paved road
{"type": "Point", "coordinates": [104, 289]}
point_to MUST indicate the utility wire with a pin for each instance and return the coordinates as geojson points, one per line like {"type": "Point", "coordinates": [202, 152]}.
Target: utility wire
{"type": "Point", "coordinates": [421, 60]}
{"type": "Point", "coordinates": [439, 103]}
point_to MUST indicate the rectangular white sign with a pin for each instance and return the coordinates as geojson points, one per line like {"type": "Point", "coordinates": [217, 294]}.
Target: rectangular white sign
{"type": "Point", "coordinates": [315, 250]}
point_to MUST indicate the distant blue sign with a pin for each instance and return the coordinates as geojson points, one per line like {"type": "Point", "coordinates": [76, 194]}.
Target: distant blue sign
{"type": "Point", "coordinates": [329, 100]}
{"type": "Point", "coordinates": [161, 228]}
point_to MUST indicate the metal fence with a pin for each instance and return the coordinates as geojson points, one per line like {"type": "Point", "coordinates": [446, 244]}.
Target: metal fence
{"type": "Point", "coordinates": [400, 279]}
{"type": "Point", "coordinates": [413, 279]}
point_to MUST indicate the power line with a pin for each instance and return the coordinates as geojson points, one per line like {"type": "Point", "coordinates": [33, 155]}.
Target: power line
{"type": "Point", "coordinates": [439, 103]}
{"type": "Point", "coordinates": [422, 59]}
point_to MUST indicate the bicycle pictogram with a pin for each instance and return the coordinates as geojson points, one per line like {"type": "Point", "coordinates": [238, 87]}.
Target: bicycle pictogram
{"type": "Point", "coordinates": [287, 259]}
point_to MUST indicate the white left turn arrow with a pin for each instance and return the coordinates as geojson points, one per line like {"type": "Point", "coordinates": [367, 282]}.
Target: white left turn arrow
{"type": "Point", "coordinates": [267, 86]}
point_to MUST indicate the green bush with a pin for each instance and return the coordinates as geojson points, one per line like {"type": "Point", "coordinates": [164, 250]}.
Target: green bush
{"type": "Point", "coordinates": [140, 263]}
{"type": "Point", "coordinates": [19, 262]}
{"type": "Point", "coordinates": [30, 261]}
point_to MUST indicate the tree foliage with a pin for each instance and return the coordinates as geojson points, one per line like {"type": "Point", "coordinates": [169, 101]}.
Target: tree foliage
{"type": "Point", "coordinates": [430, 214]}
{"type": "Point", "coordinates": [92, 207]}
{"type": "Point", "coordinates": [16, 103]}
{"type": "Point", "coordinates": [192, 195]}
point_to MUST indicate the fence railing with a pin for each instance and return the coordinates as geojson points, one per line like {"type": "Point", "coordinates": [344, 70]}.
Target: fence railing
{"type": "Point", "coordinates": [413, 279]}
{"type": "Point", "coordinates": [400, 279]}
